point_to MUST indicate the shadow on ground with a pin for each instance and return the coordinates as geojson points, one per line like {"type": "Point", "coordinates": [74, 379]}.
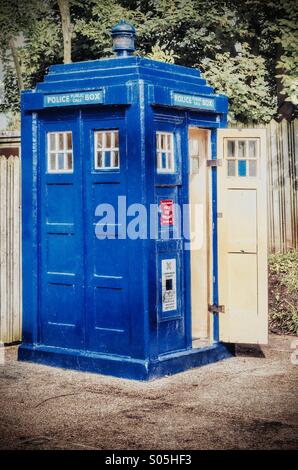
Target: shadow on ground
{"type": "Point", "coordinates": [247, 402]}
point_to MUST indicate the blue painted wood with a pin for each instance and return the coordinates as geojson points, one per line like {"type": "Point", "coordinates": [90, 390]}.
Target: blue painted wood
{"type": "Point", "coordinates": [95, 304]}
{"type": "Point", "coordinates": [30, 319]}
{"type": "Point", "coordinates": [126, 367]}
{"type": "Point", "coordinates": [61, 230]}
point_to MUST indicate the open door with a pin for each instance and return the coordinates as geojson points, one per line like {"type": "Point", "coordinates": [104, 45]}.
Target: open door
{"type": "Point", "coordinates": [200, 221]}
{"type": "Point", "coordinates": [242, 235]}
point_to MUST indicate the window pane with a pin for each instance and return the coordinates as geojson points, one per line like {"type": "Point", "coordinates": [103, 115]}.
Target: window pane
{"type": "Point", "coordinates": [107, 159]}
{"type": "Point", "coordinates": [231, 149]}
{"type": "Point", "coordinates": [242, 168]}
{"type": "Point", "coordinates": [241, 149]}
{"type": "Point", "coordinates": [165, 152]}
{"type": "Point", "coordinates": [99, 140]}
{"type": "Point", "coordinates": [108, 140]}
{"type": "Point", "coordinates": [105, 155]}
{"type": "Point", "coordinates": [112, 139]}
{"type": "Point", "coordinates": [60, 156]}
{"type": "Point", "coordinates": [231, 167]}
{"type": "Point", "coordinates": [169, 142]}
{"type": "Point", "coordinates": [69, 141]}
{"type": "Point", "coordinates": [52, 141]}
{"type": "Point", "coordinates": [253, 168]}
{"type": "Point", "coordinates": [99, 163]}
{"type": "Point", "coordinates": [194, 147]}
{"type": "Point", "coordinates": [116, 139]}
{"type": "Point", "coordinates": [252, 148]}
{"type": "Point", "coordinates": [52, 162]}
{"type": "Point", "coordinates": [60, 141]}
{"type": "Point", "coordinates": [116, 159]}
{"type": "Point", "coordinates": [60, 161]}
{"type": "Point", "coordinates": [69, 161]}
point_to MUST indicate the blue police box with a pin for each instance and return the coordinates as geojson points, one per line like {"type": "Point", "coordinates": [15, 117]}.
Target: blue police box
{"type": "Point", "coordinates": [105, 165]}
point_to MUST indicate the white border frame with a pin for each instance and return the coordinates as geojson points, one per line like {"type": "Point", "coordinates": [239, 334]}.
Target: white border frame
{"type": "Point", "coordinates": [104, 148]}
{"type": "Point", "coordinates": [171, 153]}
{"type": "Point", "coordinates": [65, 151]}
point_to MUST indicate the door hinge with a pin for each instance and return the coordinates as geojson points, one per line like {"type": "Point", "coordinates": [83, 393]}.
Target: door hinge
{"type": "Point", "coordinates": [214, 162]}
{"type": "Point", "coordinates": [219, 215]}
{"type": "Point", "coordinates": [214, 308]}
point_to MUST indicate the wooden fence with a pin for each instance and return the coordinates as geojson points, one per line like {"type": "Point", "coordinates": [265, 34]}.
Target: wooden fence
{"type": "Point", "coordinates": [282, 144]}
{"type": "Point", "coordinates": [10, 265]}
{"type": "Point", "coordinates": [282, 158]}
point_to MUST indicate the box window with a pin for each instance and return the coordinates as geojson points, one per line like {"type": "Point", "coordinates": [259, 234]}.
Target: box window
{"type": "Point", "coordinates": [106, 150]}
{"type": "Point", "coordinates": [60, 155]}
{"type": "Point", "coordinates": [165, 152]}
{"type": "Point", "coordinates": [242, 157]}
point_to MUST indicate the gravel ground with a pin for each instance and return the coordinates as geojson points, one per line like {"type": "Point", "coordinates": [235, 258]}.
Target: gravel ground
{"type": "Point", "coordinates": [247, 402]}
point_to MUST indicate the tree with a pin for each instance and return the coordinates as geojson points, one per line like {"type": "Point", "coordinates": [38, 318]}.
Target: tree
{"type": "Point", "coordinates": [261, 81]}
{"type": "Point", "coordinates": [271, 30]}
{"type": "Point", "coordinates": [30, 42]}
{"type": "Point", "coordinates": [14, 18]}
{"type": "Point", "coordinates": [64, 8]}
{"type": "Point", "coordinates": [243, 78]}
{"type": "Point", "coordinates": [287, 65]}
{"type": "Point", "coordinates": [93, 28]}
{"type": "Point", "coordinates": [162, 53]}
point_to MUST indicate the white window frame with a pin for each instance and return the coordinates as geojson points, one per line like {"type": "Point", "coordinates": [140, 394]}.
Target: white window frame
{"type": "Point", "coordinates": [170, 153]}
{"type": "Point", "coordinates": [55, 152]}
{"type": "Point", "coordinates": [247, 158]}
{"type": "Point", "coordinates": [104, 148]}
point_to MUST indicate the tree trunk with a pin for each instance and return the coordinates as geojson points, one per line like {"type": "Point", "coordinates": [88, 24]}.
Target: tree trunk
{"type": "Point", "coordinates": [66, 29]}
{"type": "Point", "coordinates": [16, 61]}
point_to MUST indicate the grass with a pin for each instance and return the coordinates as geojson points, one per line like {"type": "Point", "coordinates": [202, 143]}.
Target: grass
{"type": "Point", "coordinates": [283, 293]}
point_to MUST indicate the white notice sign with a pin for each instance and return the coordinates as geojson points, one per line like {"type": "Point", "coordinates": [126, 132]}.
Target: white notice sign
{"type": "Point", "coordinates": [169, 291]}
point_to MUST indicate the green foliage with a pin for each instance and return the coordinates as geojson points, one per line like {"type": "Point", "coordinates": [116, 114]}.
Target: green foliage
{"type": "Point", "coordinates": [42, 47]}
{"type": "Point", "coordinates": [194, 33]}
{"type": "Point", "coordinates": [95, 28]}
{"type": "Point", "coordinates": [288, 62]}
{"type": "Point", "coordinates": [243, 78]}
{"type": "Point", "coordinates": [162, 53]}
{"type": "Point", "coordinates": [283, 292]}
{"type": "Point", "coordinates": [34, 28]}
{"type": "Point", "coordinates": [14, 121]}
{"type": "Point", "coordinates": [192, 29]}
{"type": "Point", "coordinates": [15, 17]}
{"type": "Point", "coordinates": [10, 99]}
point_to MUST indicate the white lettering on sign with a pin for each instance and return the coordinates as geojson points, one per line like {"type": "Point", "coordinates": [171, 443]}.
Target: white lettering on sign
{"type": "Point", "coordinates": [70, 99]}
{"type": "Point", "coordinates": [167, 212]}
{"type": "Point", "coordinates": [169, 288]}
{"type": "Point", "coordinates": [193, 101]}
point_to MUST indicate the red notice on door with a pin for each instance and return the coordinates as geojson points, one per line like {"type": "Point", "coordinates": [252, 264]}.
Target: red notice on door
{"type": "Point", "coordinates": [167, 214]}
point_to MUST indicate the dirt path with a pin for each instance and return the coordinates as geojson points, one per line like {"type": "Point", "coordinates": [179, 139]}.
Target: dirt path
{"type": "Point", "coordinates": [250, 401]}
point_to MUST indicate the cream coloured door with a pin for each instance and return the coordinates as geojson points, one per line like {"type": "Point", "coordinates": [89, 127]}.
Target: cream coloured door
{"type": "Point", "coordinates": [242, 235]}
{"type": "Point", "coordinates": [199, 195]}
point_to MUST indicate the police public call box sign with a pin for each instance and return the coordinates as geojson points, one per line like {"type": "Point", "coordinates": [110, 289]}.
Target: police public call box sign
{"type": "Point", "coordinates": [193, 101]}
{"type": "Point", "coordinates": [73, 99]}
